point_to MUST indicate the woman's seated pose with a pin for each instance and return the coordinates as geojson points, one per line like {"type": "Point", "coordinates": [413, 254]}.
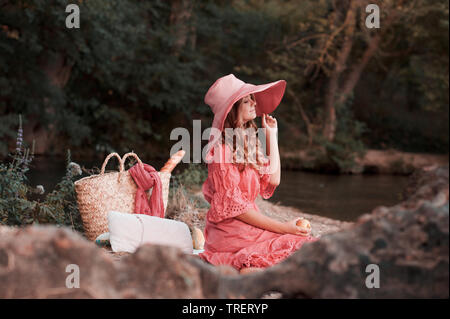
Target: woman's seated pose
{"type": "Point", "coordinates": [236, 232]}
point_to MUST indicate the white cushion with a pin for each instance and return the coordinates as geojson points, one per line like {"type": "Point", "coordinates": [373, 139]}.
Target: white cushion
{"type": "Point", "coordinates": [128, 231]}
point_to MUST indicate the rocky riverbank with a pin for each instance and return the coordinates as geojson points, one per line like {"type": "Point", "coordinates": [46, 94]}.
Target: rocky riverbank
{"type": "Point", "coordinates": [408, 243]}
{"type": "Point", "coordinates": [388, 161]}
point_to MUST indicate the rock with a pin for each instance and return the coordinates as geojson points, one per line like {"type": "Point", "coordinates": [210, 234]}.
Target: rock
{"type": "Point", "coordinates": [155, 271]}
{"type": "Point", "coordinates": [372, 161]}
{"type": "Point", "coordinates": [409, 243]}
{"type": "Point", "coordinates": [409, 247]}
{"type": "Point", "coordinates": [33, 263]}
{"type": "Point", "coordinates": [214, 278]}
{"type": "Point", "coordinates": [426, 184]}
{"type": "Point", "coordinates": [398, 162]}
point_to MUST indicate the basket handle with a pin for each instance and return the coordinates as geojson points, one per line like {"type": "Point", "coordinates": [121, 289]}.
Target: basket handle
{"type": "Point", "coordinates": [106, 162]}
{"type": "Point", "coordinates": [124, 158]}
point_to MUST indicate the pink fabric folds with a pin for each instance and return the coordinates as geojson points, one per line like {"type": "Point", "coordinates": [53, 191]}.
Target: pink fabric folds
{"type": "Point", "coordinates": [146, 177]}
{"type": "Point", "coordinates": [229, 240]}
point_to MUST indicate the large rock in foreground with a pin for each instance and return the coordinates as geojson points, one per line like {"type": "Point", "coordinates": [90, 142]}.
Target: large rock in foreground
{"type": "Point", "coordinates": [409, 248]}
{"type": "Point", "coordinates": [34, 260]}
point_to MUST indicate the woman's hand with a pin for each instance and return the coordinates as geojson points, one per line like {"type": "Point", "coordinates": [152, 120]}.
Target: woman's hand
{"type": "Point", "coordinates": [269, 122]}
{"type": "Point", "coordinates": [290, 227]}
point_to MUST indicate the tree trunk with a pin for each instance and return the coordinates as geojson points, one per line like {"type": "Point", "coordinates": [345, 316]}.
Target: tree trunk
{"type": "Point", "coordinates": [58, 72]}
{"type": "Point", "coordinates": [329, 129]}
{"type": "Point", "coordinates": [181, 20]}
{"type": "Point", "coordinates": [355, 74]}
{"type": "Point", "coordinates": [56, 69]}
{"type": "Point", "coordinates": [309, 126]}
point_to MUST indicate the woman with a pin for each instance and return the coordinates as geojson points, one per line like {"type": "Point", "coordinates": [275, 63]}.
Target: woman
{"type": "Point", "coordinates": [236, 233]}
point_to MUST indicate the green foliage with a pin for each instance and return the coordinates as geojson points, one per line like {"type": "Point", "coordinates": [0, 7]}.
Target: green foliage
{"type": "Point", "coordinates": [127, 78]}
{"type": "Point", "coordinates": [415, 77]}
{"type": "Point", "coordinates": [409, 126]}
{"type": "Point", "coordinates": [121, 66]}
{"type": "Point", "coordinates": [7, 124]}
{"type": "Point", "coordinates": [406, 100]}
{"type": "Point", "coordinates": [180, 185]}
{"type": "Point", "coordinates": [20, 203]}
{"type": "Point", "coordinates": [347, 144]}
{"type": "Point", "coordinates": [61, 203]}
{"type": "Point", "coordinates": [193, 175]}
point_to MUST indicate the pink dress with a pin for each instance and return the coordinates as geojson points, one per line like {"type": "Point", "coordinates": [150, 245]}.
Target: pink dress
{"type": "Point", "coordinates": [230, 241]}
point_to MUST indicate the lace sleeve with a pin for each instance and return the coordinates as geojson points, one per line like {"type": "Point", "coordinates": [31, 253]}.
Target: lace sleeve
{"type": "Point", "coordinates": [266, 189]}
{"type": "Point", "coordinates": [228, 200]}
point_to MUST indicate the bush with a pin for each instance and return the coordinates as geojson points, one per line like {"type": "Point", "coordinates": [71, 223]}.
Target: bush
{"type": "Point", "coordinates": [347, 144]}
{"type": "Point", "coordinates": [17, 208]}
{"type": "Point", "coordinates": [179, 195]}
{"type": "Point", "coordinates": [195, 174]}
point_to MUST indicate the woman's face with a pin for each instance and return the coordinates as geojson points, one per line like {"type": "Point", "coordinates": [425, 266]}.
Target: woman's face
{"type": "Point", "coordinates": [247, 109]}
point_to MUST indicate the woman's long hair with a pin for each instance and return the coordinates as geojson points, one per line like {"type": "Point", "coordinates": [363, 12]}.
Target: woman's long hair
{"type": "Point", "coordinates": [245, 143]}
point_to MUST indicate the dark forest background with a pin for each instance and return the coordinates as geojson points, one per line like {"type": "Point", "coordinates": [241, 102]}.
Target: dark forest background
{"type": "Point", "coordinates": [135, 70]}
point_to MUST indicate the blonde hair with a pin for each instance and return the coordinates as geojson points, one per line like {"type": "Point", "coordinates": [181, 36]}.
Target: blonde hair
{"type": "Point", "coordinates": [251, 152]}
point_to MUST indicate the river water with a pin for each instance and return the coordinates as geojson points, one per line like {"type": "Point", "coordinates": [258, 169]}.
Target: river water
{"type": "Point", "coordinates": [343, 197]}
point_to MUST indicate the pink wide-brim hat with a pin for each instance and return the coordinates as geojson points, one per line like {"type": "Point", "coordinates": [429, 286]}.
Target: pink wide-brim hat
{"type": "Point", "coordinates": [228, 89]}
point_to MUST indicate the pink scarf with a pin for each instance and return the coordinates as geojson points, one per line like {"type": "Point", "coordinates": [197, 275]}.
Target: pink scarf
{"type": "Point", "coordinates": [145, 178]}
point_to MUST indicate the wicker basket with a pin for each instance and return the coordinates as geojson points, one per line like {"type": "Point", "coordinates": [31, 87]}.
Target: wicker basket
{"type": "Point", "coordinates": [99, 194]}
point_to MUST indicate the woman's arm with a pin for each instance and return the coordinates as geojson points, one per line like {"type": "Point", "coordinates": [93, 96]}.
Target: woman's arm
{"type": "Point", "coordinates": [274, 156]}
{"type": "Point", "coordinates": [259, 220]}
{"type": "Point", "coordinates": [270, 124]}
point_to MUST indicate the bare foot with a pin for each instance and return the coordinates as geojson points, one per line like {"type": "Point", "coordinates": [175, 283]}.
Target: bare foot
{"type": "Point", "coordinates": [249, 270]}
